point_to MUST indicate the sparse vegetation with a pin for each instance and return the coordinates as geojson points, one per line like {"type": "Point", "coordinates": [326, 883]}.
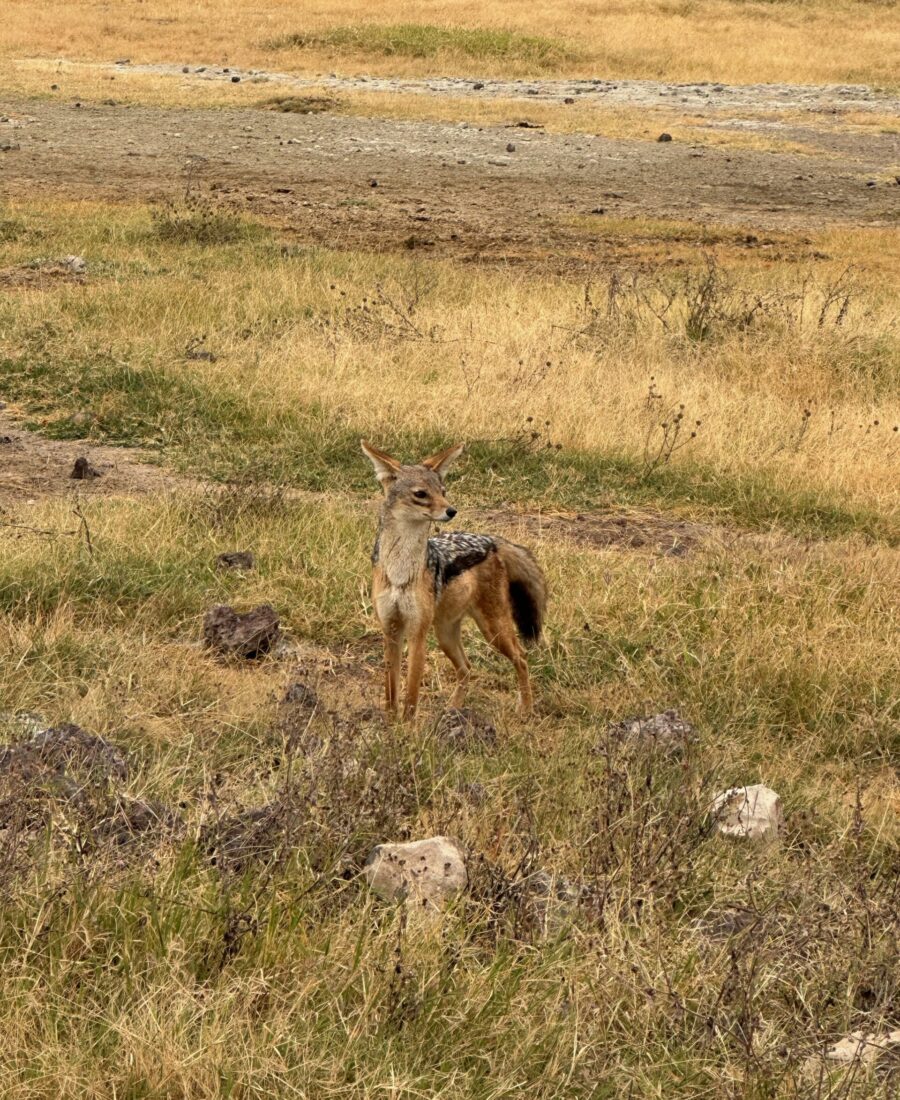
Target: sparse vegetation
{"type": "Point", "coordinates": [196, 218]}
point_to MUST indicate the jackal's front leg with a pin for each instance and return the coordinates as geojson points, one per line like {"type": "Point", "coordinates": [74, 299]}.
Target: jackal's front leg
{"type": "Point", "coordinates": [414, 672]}
{"type": "Point", "coordinates": [393, 651]}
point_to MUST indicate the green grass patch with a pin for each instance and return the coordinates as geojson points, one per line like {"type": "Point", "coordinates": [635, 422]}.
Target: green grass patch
{"type": "Point", "coordinates": [217, 432]}
{"type": "Point", "coordinates": [417, 40]}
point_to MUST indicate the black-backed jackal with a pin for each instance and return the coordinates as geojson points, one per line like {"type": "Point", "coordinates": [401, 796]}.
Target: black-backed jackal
{"type": "Point", "coordinates": [419, 580]}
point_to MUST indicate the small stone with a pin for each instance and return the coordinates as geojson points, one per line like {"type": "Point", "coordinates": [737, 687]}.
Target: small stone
{"type": "Point", "coordinates": [510, 148]}
{"type": "Point", "coordinates": [462, 726]}
{"type": "Point", "coordinates": [373, 183]}
{"type": "Point", "coordinates": [235, 80]}
{"type": "Point", "coordinates": [664, 137]}
{"type": "Point", "coordinates": [202, 355]}
{"type": "Point", "coordinates": [753, 812]}
{"type": "Point", "coordinates": [666, 731]}
{"type": "Point", "coordinates": [300, 695]}
{"type": "Point", "coordinates": [185, 69]}
{"type": "Point", "coordinates": [426, 874]}
{"type": "Point", "coordinates": [54, 87]}
{"type": "Point", "coordinates": [599, 210]}
{"type": "Point", "coordinates": [83, 470]}
{"type": "Point", "coordinates": [569, 100]}
{"type": "Point", "coordinates": [870, 183]}
{"type": "Point", "coordinates": [249, 635]}
{"type": "Point", "coordinates": [76, 264]}
{"type": "Point", "coordinates": [477, 86]}
{"type": "Point", "coordinates": [236, 559]}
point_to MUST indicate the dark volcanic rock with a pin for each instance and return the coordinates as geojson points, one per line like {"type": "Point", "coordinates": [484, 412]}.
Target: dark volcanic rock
{"type": "Point", "coordinates": [83, 470]}
{"type": "Point", "coordinates": [236, 559]}
{"type": "Point", "coordinates": [251, 634]}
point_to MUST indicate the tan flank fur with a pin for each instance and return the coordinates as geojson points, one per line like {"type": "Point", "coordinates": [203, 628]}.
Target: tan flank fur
{"type": "Point", "coordinates": [419, 581]}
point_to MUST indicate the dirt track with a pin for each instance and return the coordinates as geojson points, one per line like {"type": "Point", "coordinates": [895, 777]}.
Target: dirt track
{"type": "Point", "coordinates": [450, 189]}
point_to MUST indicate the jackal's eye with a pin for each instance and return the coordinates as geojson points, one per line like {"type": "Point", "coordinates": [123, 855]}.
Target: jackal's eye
{"type": "Point", "coordinates": [420, 494]}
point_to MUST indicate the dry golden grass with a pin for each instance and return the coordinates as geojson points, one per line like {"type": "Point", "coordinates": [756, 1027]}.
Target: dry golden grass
{"type": "Point", "coordinates": [808, 398]}
{"type": "Point", "coordinates": [827, 41]}
{"type": "Point", "coordinates": [147, 971]}
{"type": "Point", "coordinates": [694, 968]}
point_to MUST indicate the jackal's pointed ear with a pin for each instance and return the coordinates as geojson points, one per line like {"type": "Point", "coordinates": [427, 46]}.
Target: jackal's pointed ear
{"type": "Point", "coordinates": [443, 460]}
{"type": "Point", "coordinates": [386, 468]}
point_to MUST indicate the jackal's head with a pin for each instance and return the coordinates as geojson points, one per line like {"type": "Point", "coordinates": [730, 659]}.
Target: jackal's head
{"type": "Point", "coordinates": [415, 494]}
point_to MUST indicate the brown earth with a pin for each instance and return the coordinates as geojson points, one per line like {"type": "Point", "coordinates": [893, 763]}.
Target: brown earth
{"type": "Point", "coordinates": [451, 190]}
{"type": "Point", "coordinates": [32, 467]}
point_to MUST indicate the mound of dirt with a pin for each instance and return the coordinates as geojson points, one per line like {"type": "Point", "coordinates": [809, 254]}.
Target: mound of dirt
{"type": "Point", "coordinates": [64, 785]}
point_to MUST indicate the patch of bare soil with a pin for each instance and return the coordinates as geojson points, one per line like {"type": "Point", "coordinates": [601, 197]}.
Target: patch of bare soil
{"type": "Point", "coordinates": [455, 190]}
{"type": "Point", "coordinates": [39, 276]}
{"type": "Point", "coordinates": [32, 467]}
{"type": "Point", "coordinates": [650, 531]}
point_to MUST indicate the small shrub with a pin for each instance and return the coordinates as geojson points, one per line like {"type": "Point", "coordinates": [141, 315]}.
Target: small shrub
{"type": "Point", "coordinates": [301, 104]}
{"type": "Point", "coordinates": [196, 218]}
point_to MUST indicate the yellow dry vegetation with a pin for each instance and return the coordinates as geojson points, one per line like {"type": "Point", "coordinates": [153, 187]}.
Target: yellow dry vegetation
{"type": "Point", "coordinates": [833, 41]}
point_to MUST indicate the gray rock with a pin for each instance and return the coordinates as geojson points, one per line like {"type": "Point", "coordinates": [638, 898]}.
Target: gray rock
{"type": "Point", "coordinates": [864, 1047]}
{"type": "Point", "coordinates": [426, 874]}
{"type": "Point", "coordinates": [69, 747]}
{"type": "Point", "coordinates": [666, 731]}
{"type": "Point", "coordinates": [76, 264]}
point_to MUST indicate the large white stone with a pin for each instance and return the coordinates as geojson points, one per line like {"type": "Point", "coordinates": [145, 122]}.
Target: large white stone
{"type": "Point", "coordinates": [866, 1048]}
{"type": "Point", "coordinates": [753, 812]}
{"type": "Point", "coordinates": [425, 873]}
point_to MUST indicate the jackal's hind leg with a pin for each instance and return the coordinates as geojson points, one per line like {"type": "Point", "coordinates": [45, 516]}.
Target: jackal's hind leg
{"type": "Point", "coordinates": [448, 636]}
{"type": "Point", "coordinates": [499, 630]}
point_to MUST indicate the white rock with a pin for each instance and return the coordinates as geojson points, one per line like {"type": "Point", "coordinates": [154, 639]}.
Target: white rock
{"type": "Point", "coordinates": [76, 264]}
{"type": "Point", "coordinates": [858, 1046]}
{"type": "Point", "coordinates": [425, 873]}
{"type": "Point", "coordinates": [753, 812]}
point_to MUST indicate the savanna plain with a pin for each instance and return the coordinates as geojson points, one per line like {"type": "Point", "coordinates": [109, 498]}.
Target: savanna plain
{"type": "Point", "coordinates": [235, 239]}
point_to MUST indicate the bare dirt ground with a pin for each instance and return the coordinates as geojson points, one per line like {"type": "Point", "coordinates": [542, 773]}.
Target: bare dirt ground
{"type": "Point", "coordinates": [32, 467]}
{"type": "Point", "coordinates": [499, 192]}
{"type": "Point", "coordinates": [705, 95]}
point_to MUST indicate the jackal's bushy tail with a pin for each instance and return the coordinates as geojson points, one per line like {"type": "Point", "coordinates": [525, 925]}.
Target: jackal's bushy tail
{"type": "Point", "coordinates": [527, 589]}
